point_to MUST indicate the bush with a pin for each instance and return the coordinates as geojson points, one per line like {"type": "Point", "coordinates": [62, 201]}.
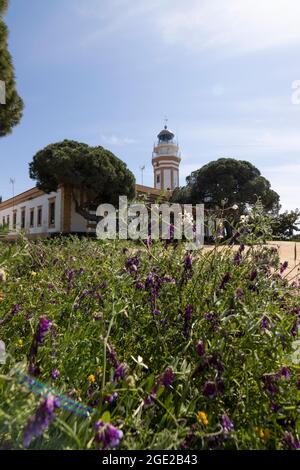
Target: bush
{"type": "Point", "coordinates": [167, 350]}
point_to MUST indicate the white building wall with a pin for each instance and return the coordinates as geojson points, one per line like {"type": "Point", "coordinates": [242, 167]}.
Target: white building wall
{"type": "Point", "coordinates": [34, 203]}
{"type": "Point", "coordinates": [78, 223]}
{"type": "Point", "coordinates": [167, 179]}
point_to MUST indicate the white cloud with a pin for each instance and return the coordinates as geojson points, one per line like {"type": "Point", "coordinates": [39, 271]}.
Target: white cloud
{"type": "Point", "coordinates": [116, 140]}
{"type": "Point", "coordinates": [233, 25]}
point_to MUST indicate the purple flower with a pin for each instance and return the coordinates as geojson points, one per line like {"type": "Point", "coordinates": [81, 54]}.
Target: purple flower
{"type": "Point", "coordinates": [132, 265]}
{"type": "Point", "coordinates": [167, 378]}
{"type": "Point", "coordinates": [112, 355]}
{"type": "Point", "coordinates": [225, 280]}
{"type": "Point", "coordinates": [120, 372]}
{"type": "Point", "coordinates": [253, 275]}
{"type": "Point", "coordinates": [283, 267]}
{"type": "Point", "coordinates": [294, 328]}
{"type": "Point", "coordinates": [55, 374]}
{"type": "Point", "coordinates": [156, 312]}
{"type": "Point", "coordinates": [289, 441]}
{"type": "Point", "coordinates": [210, 390]}
{"type": "Point", "coordinates": [269, 383]}
{"type": "Point", "coordinates": [140, 285]}
{"type": "Point", "coordinates": [264, 322]}
{"type": "Point", "coordinates": [237, 259]}
{"type": "Point", "coordinates": [188, 312]}
{"type": "Point", "coordinates": [187, 320]}
{"type": "Point", "coordinates": [188, 263]}
{"type": "Point", "coordinates": [284, 372]}
{"type": "Point", "coordinates": [200, 348]}
{"type": "Point", "coordinates": [44, 326]}
{"type": "Point", "coordinates": [239, 293]}
{"type": "Point", "coordinates": [111, 398]}
{"type": "Point", "coordinates": [227, 423]}
{"type": "Point", "coordinates": [13, 313]}
{"type": "Point", "coordinates": [107, 435]}
{"type": "Point", "coordinates": [36, 425]}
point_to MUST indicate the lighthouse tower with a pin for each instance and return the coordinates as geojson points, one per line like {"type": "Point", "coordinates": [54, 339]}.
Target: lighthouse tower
{"type": "Point", "coordinates": [166, 160]}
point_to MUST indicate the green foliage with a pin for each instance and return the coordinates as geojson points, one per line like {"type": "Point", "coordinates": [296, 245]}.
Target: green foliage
{"type": "Point", "coordinates": [284, 225]}
{"type": "Point", "coordinates": [99, 295]}
{"type": "Point", "coordinates": [228, 181]}
{"type": "Point", "coordinates": [11, 112]}
{"type": "Point", "coordinates": [97, 171]}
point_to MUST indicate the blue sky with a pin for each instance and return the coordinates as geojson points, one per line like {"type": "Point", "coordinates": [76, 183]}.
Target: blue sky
{"type": "Point", "coordinates": [106, 72]}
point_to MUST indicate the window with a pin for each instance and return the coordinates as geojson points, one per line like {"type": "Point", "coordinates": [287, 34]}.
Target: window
{"type": "Point", "coordinates": [158, 178]}
{"type": "Point", "coordinates": [51, 213]}
{"type": "Point", "coordinates": [14, 220]}
{"type": "Point", "coordinates": [39, 216]}
{"type": "Point", "coordinates": [3, 221]}
{"type": "Point", "coordinates": [32, 217]}
{"type": "Point", "coordinates": [23, 216]}
{"type": "Point", "coordinates": [7, 220]}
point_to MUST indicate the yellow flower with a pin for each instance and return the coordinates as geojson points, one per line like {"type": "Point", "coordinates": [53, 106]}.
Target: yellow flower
{"type": "Point", "coordinates": [33, 273]}
{"type": "Point", "coordinates": [91, 378]}
{"type": "Point", "coordinates": [2, 275]}
{"type": "Point", "coordinates": [20, 343]}
{"type": "Point", "coordinates": [202, 418]}
{"type": "Point", "coordinates": [263, 433]}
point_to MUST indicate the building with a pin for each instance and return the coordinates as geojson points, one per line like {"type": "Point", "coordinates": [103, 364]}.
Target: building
{"type": "Point", "coordinates": [42, 215]}
{"type": "Point", "coordinates": [165, 161]}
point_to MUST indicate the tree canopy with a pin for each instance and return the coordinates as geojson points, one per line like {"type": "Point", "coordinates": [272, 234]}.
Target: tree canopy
{"type": "Point", "coordinates": [11, 111]}
{"type": "Point", "coordinates": [98, 172]}
{"type": "Point", "coordinates": [228, 181]}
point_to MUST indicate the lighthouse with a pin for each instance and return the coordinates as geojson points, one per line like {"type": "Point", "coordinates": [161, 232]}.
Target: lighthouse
{"type": "Point", "coordinates": [166, 160]}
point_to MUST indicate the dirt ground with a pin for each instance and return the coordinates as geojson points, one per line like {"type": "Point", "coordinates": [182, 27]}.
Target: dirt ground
{"type": "Point", "coordinates": [290, 252]}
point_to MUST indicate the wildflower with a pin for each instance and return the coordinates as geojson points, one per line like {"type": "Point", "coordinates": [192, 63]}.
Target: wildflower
{"type": "Point", "coordinates": [264, 322]}
{"type": "Point", "coordinates": [33, 273]}
{"type": "Point", "coordinates": [107, 435]}
{"type": "Point", "coordinates": [225, 280]}
{"type": "Point", "coordinates": [200, 348]}
{"type": "Point", "coordinates": [20, 343]}
{"type": "Point", "coordinates": [168, 377]}
{"type": "Point", "coordinates": [2, 275]}
{"type": "Point", "coordinates": [210, 390]}
{"type": "Point", "coordinates": [263, 433]}
{"type": "Point", "coordinates": [284, 372]}
{"type": "Point", "coordinates": [91, 379]}
{"type": "Point", "coordinates": [269, 383]}
{"type": "Point", "coordinates": [202, 418]}
{"type": "Point", "coordinates": [55, 374]}
{"type": "Point", "coordinates": [37, 424]}
{"type": "Point", "coordinates": [140, 285]}
{"type": "Point", "coordinates": [227, 423]}
{"type": "Point", "coordinates": [44, 326]}
{"type": "Point", "coordinates": [235, 207]}
{"type": "Point", "coordinates": [187, 320]}
{"type": "Point", "coordinates": [132, 265]}
{"type": "Point", "coordinates": [188, 264]}
{"type": "Point", "coordinates": [111, 398]}
{"type": "Point", "coordinates": [289, 441]}
{"type": "Point", "coordinates": [120, 372]}
{"type": "Point", "coordinates": [156, 312]}
{"type": "Point", "coordinates": [253, 275]}
{"type": "Point", "coordinates": [239, 293]}
{"type": "Point", "coordinates": [237, 259]}
{"type": "Point", "coordinates": [283, 267]}
{"type": "Point", "coordinates": [12, 314]}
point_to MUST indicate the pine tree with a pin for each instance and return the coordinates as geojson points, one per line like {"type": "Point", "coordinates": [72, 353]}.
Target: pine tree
{"type": "Point", "coordinates": [11, 111]}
